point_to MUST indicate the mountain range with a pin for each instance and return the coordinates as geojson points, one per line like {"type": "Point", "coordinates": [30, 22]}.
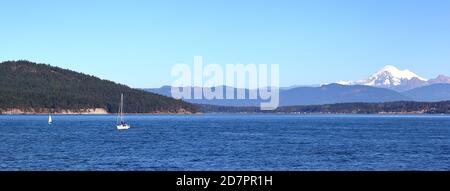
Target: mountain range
{"type": "Point", "coordinates": [386, 85]}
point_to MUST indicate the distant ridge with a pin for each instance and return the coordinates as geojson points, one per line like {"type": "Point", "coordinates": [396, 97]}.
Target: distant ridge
{"type": "Point", "coordinates": [336, 93]}
{"type": "Point", "coordinates": [400, 107]}
{"type": "Point", "coordinates": [326, 94]}
{"type": "Point", "coordinates": [431, 93]}
{"type": "Point", "coordinates": [28, 87]}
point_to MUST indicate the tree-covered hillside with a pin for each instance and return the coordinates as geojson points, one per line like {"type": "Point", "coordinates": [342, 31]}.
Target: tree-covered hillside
{"type": "Point", "coordinates": [350, 108]}
{"type": "Point", "coordinates": [25, 85]}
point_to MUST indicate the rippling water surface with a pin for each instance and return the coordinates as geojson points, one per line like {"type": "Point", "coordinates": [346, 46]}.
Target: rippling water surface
{"type": "Point", "coordinates": [226, 142]}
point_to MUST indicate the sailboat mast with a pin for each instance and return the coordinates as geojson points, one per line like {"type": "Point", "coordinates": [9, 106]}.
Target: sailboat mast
{"type": "Point", "coordinates": [119, 113]}
{"type": "Point", "coordinates": [121, 107]}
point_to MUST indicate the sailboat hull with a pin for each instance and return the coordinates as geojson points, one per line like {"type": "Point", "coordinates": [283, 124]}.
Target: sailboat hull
{"type": "Point", "coordinates": [123, 127]}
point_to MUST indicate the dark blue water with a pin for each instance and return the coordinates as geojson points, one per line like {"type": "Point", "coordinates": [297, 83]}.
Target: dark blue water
{"type": "Point", "coordinates": [226, 142]}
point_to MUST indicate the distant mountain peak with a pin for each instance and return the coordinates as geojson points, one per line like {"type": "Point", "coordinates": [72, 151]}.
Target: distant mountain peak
{"type": "Point", "coordinates": [442, 76]}
{"type": "Point", "coordinates": [397, 73]}
{"type": "Point", "coordinates": [441, 79]}
{"type": "Point", "coordinates": [390, 77]}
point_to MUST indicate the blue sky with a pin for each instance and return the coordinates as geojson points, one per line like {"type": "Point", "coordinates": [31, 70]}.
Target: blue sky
{"type": "Point", "coordinates": [315, 41]}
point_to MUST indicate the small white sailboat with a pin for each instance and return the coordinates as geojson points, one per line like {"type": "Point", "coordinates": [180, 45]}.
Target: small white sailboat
{"type": "Point", "coordinates": [50, 121]}
{"type": "Point", "coordinates": [121, 125]}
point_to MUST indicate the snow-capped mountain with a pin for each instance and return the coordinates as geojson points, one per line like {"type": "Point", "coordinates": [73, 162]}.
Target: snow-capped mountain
{"type": "Point", "coordinates": [391, 77]}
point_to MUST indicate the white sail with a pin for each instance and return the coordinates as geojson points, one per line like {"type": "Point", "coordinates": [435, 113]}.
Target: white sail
{"type": "Point", "coordinates": [121, 125]}
{"type": "Point", "coordinates": [50, 121]}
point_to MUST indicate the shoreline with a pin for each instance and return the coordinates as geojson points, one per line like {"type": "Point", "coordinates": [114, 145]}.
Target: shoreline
{"type": "Point", "coordinates": [216, 113]}
{"type": "Point", "coordinates": [92, 111]}
{"type": "Point", "coordinates": [102, 111]}
{"type": "Point", "coordinates": [33, 111]}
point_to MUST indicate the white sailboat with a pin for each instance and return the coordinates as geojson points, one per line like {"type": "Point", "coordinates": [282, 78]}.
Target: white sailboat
{"type": "Point", "coordinates": [121, 125]}
{"type": "Point", "coordinates": [50, 121]}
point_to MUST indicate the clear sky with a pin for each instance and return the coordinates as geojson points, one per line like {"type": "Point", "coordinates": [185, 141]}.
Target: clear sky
{"type": "Point", "coordinates": [314, 41]}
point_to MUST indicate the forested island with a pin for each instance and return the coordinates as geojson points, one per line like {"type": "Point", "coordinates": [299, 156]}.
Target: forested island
{"type": "Point", "coordinates": [27, 88]}
{"type": "Point", "coordinates": [400, 107]}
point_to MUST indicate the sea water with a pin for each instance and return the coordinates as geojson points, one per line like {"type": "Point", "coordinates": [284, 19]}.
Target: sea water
{"type": "Point", "coordinates": [226, 142]}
